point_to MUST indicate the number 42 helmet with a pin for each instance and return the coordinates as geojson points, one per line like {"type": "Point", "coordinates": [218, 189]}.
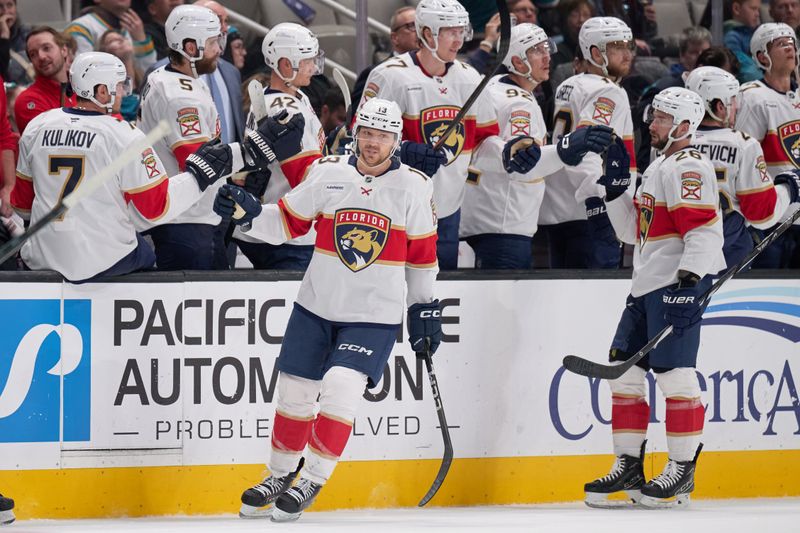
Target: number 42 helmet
{"type": "Point", "coordinates": [293, 42]}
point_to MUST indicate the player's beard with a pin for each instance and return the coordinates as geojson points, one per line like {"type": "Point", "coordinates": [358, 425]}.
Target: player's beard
{"type": "Point", "coordinates": [659, 144]}
{"type": "Point", "coordinates": [206, 65]}
{"type": "Point", "coordinates": [619, 71]}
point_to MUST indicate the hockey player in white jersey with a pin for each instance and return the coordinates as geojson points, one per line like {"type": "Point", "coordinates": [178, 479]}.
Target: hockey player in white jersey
{"type": "Point", "coordinates": [63, 148]}
{"type": "Point", "coordinates": [506, 185]}
{"type": "Point", "coordinates": [573, 215]}
{"type": "Point", "coordinates": [747, 193]}
{"type": "Point", "coordinates": [769, 110]}
{"type": "Point", "coordinates": [293, 54]}
{"type": "Point", "coordinates": [675, 223]}
{"type": "Point", "coordinates": [376, 238]}
{"type": "Point", "coordinates": [176, 92]}
{"type": "Point", "coordinates": [430, 85]}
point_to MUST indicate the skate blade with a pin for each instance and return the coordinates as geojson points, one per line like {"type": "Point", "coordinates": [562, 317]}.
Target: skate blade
{"type": "Point", "coordinates": [681, 500]}
{"type": "Point", "coordinates": [283, 516]}
{"type": "Point", "coordinates": [6, 517]}
{"type": "Point", "coordinates": [250, 512]}
{"type": "Point", "coordinates": [616, 500]}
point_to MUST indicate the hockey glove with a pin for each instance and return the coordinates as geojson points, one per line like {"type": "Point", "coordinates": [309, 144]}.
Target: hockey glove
{"type": "Point", "coordinates": [256, 182]}
{"type": "Point", "coordinates": [423, 157]}
{"type": "Point", "coordinates": [210, 162]}
{"type": "Point", "coordinates": [278, 137]}
{"type": "Point", "coordinates": [338, 141]}
{"type": "Point", "coordinates": [572, 147]}
{"type": "Point", "coordinates": [617, 172]}
{"type": "Point", "coordinates": [235, 203]}
{"type": "Point", "coordinates": [521, 154]}
{"type": "Point", "coordinates": [683, 308]}
{"type": "Point", "coordinates": [424, 323]}
{"type": "Point", "coordinates": [792, 181]}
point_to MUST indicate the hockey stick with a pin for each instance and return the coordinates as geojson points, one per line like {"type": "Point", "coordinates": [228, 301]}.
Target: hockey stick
{"type": "Point", "coordinates": [87, 187]}
{"type": "Point", "coordinates": [338, 77]}
{"type": "Point", "coordinates": [584, 367]}
{"type": "Point", "coordinates": [505, 39]}
{"type": "Point", "coordinates": [447, 459]}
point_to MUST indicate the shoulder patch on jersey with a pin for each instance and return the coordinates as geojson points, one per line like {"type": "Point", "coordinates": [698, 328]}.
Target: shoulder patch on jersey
{"type": "Point", "coordinates": [150, 164]}
{"type": "Point", "coordinates": [520, 122]}
{"type": "Point", "coordinates": [371, 90]}
{"type": "Point", "coordinates": [603, 110]}
{"type": "Point", "coordinates": [761, 165]}
{"type": "Point", "coordinates": [647, 206]}
{"type": "Point", "coordinates": [691, 185]}
{"type": "Point", "coordinates": [189, 121]}
{"type": "Point", "coordinates": [789, 135]}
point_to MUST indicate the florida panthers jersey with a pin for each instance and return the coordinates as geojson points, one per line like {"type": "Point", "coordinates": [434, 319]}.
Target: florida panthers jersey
{"type": "Point", "coordinates": [65, 148]}
{"type": "Point", "coordinates": [674, 221]}
{"type": "Point", "coordinates": [773, 118]}
{"type": "Point", "coordinates": [429, 104]}
{"type": "Point", "coordinates": [374, 234]}
{"type": "Point", "coordinates": [186, 103]}
{"type": "Point", "coordinates": [497, 201]}
{"type": "Point", "coordinates": [745, 186]}
{"type": "Point", "coordinates": [582, 100]}
{"type": "Point", "coordinates": [288, 174]}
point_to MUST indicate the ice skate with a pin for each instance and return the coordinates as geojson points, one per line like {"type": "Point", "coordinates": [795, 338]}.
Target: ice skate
{"type": "Point", "coordinates": [6, 510]}
{"type": "Point", "coordinates": [257, 501]}
{"type": "Point", "coordinates": [672, 487]}
{"type": "Point", "coordinates": [291, 504]}
{"type": "Point", "coordinates": [626, 476]}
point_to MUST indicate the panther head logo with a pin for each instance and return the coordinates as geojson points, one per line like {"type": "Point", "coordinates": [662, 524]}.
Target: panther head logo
{"type": "Point", "coordinates": [453, 143]}
{"type": "Point", "coordinates": [434, 121]}
{"type": "Point", "coordinates": [789, 135]}
{"type": "Point", "coordinates": [360, 236]}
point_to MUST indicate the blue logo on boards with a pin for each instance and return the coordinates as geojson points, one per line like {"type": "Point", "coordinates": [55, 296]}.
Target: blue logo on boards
{"type": "Point", "coordinates": [775, 310]}
{"type": "Point", "coordinates": [45, 368]}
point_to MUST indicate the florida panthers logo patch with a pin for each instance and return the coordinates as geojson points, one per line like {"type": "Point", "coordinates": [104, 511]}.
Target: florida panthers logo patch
{"type": "Point", "coordinates": [647, 206]}
{"type": "Point", "coordinates": [789, 135]}
{"type": "Point", "coordinates": [359, 236]}
{"type": "Point", "coordinates": [434, 121]}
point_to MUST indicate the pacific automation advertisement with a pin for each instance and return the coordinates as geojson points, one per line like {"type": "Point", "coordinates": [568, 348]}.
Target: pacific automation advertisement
{"type": "Point", "coordinates": [183, 373]}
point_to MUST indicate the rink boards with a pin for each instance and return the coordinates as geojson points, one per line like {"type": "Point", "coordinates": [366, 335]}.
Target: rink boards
{"type": "Point", "coordinates": [158, 398]}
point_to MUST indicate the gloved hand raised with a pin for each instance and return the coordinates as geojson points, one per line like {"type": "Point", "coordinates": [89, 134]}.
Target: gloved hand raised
{"type": "Point", "coordinates": [791, 179]}
{"type": "Point", "coordinates": [212, 161]}
{"type": "Point", "coordinates": [521, 154]}
{"type": "Point", "coordinates": [424, 324]}
{"type": "Point", "coordinates": [572, 147]}
{"type": "Point", "coordinates": [423, 157]}
{"type": "Point", "coordinates": [235, 203]}
{"type": "Point", "coordinates": [278, 137]}
{"type": "Point", "coordinates": [616, 176]}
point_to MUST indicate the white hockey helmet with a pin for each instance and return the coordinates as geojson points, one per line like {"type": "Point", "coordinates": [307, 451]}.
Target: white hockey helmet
{"type": "Point", "coordinates": [524, 37]}
{"type": "Point", "coordinates": [683, 105]}
{"type": "Point", "coordinates": [599, 31]}
{"type": "Point", "coordinates": [713, 83]}
{"type": "Point", "coordinates": [295, 43]}
{"type": "Point", "coordinates": [380, 114]}
{"type": "Point", "coordinates": [91, 69]}
{"type": "Point", "coordinates": [438, 14]}
{"type": "Point", "coordinates": [765, 34]}
{"type": "Point", "coordinates": [195, 23]}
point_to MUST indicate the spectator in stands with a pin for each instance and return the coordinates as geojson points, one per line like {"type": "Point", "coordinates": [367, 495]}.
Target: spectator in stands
{"type": "Point", "coordinates": [745, 18]}
{"type": "Point", "coordinates": [483, 56]}
{"type": "Point", "coordinates": [235, 52]}
{"type": "Point", "coordinates": [14, 67]}
{"type": "Point", "coordinates": [157, 13]}
{"type": "Point", "coordinates": [114, 43]}
{"type": "Point", "coordinates": [404, 39]}
{"type": "Point", "coordinates": [8, 147]}
{"type": "Point", "coordinates": [48, 52]}
{"type": "Point", "coordinates": [118, 15]}
{"type": "Point", "coordinates": [573, 13]}
{"type": "Point", "coordinates": [786, 11]}
{"type": "Point", "coordinates": [639, 15]}
{"type": "Point", "coordinates": [333, 112]}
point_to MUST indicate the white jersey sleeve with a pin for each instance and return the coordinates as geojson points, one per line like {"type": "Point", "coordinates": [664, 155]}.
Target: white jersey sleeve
{"type": "Point", "coordinates": [421, 265]}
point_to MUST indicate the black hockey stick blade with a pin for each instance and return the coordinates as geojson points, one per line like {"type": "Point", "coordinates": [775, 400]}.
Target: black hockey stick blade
{"type": "Point", "coordinates": [585, 367]}
{"type": "Point", "coordinates": [447, 459]}
{"type": "Point", "coordinates": [502, 51]}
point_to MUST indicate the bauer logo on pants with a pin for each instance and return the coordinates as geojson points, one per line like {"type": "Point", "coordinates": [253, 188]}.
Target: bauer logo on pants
{"type": "Point", "coordinates": [37, 350]}
{"type": "Point", "coordinates": [360, 236]}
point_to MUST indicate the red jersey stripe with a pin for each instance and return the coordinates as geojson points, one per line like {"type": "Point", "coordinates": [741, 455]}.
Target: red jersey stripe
{"type": "Point", "coordinates": [297, 225]}
{"type": "Point", "coordinates": [22, 194]}
{"type": "Point", "coordinates": [152, 201]}
{"type": "Point", "coordinates": [182, 151]}
{"type": "Point", "coordinates": [422, 251]}
{"type": "Point", "coordinates": [394, 250]}
{"type": "Point", "coordinates": [773, 151]}
{"type": "Point", "coordinates": [758, 206]}
{"type": "Point", "coordinates": [295, 168]}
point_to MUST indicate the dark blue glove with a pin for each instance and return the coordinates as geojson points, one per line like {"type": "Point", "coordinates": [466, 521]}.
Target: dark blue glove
{"type": "Point", "coordinates": [337, 141]}
{"type": "Point", "coordinates": [276, 137]}
{"type": "Point", "coordinates": [792, 181]}
{"type": "Point", "coordinates": [209, 163]}
{"type": "Point", "coordinates": [521, 154]}
{"type": "Point", "coordinates": [229, 197]}
{"type": "Point", "coordinates": [422, 157]}
{"type": "Point", "coordinates": [682, 306]}
{"type": "Point", "coordinates": [256, 182]}
{"type": "Point", "coordinates": [572, 147]}
{"type": "Point", "coordinates": [424, 324]}
{"type": "Point", "coordinates": [617, 173]}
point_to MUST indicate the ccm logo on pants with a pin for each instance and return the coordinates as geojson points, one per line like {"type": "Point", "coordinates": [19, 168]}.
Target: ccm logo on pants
{"type": "Point", "coordinates": [354, 348]}
{"type": "Point", "coordinates": [430, 314]}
